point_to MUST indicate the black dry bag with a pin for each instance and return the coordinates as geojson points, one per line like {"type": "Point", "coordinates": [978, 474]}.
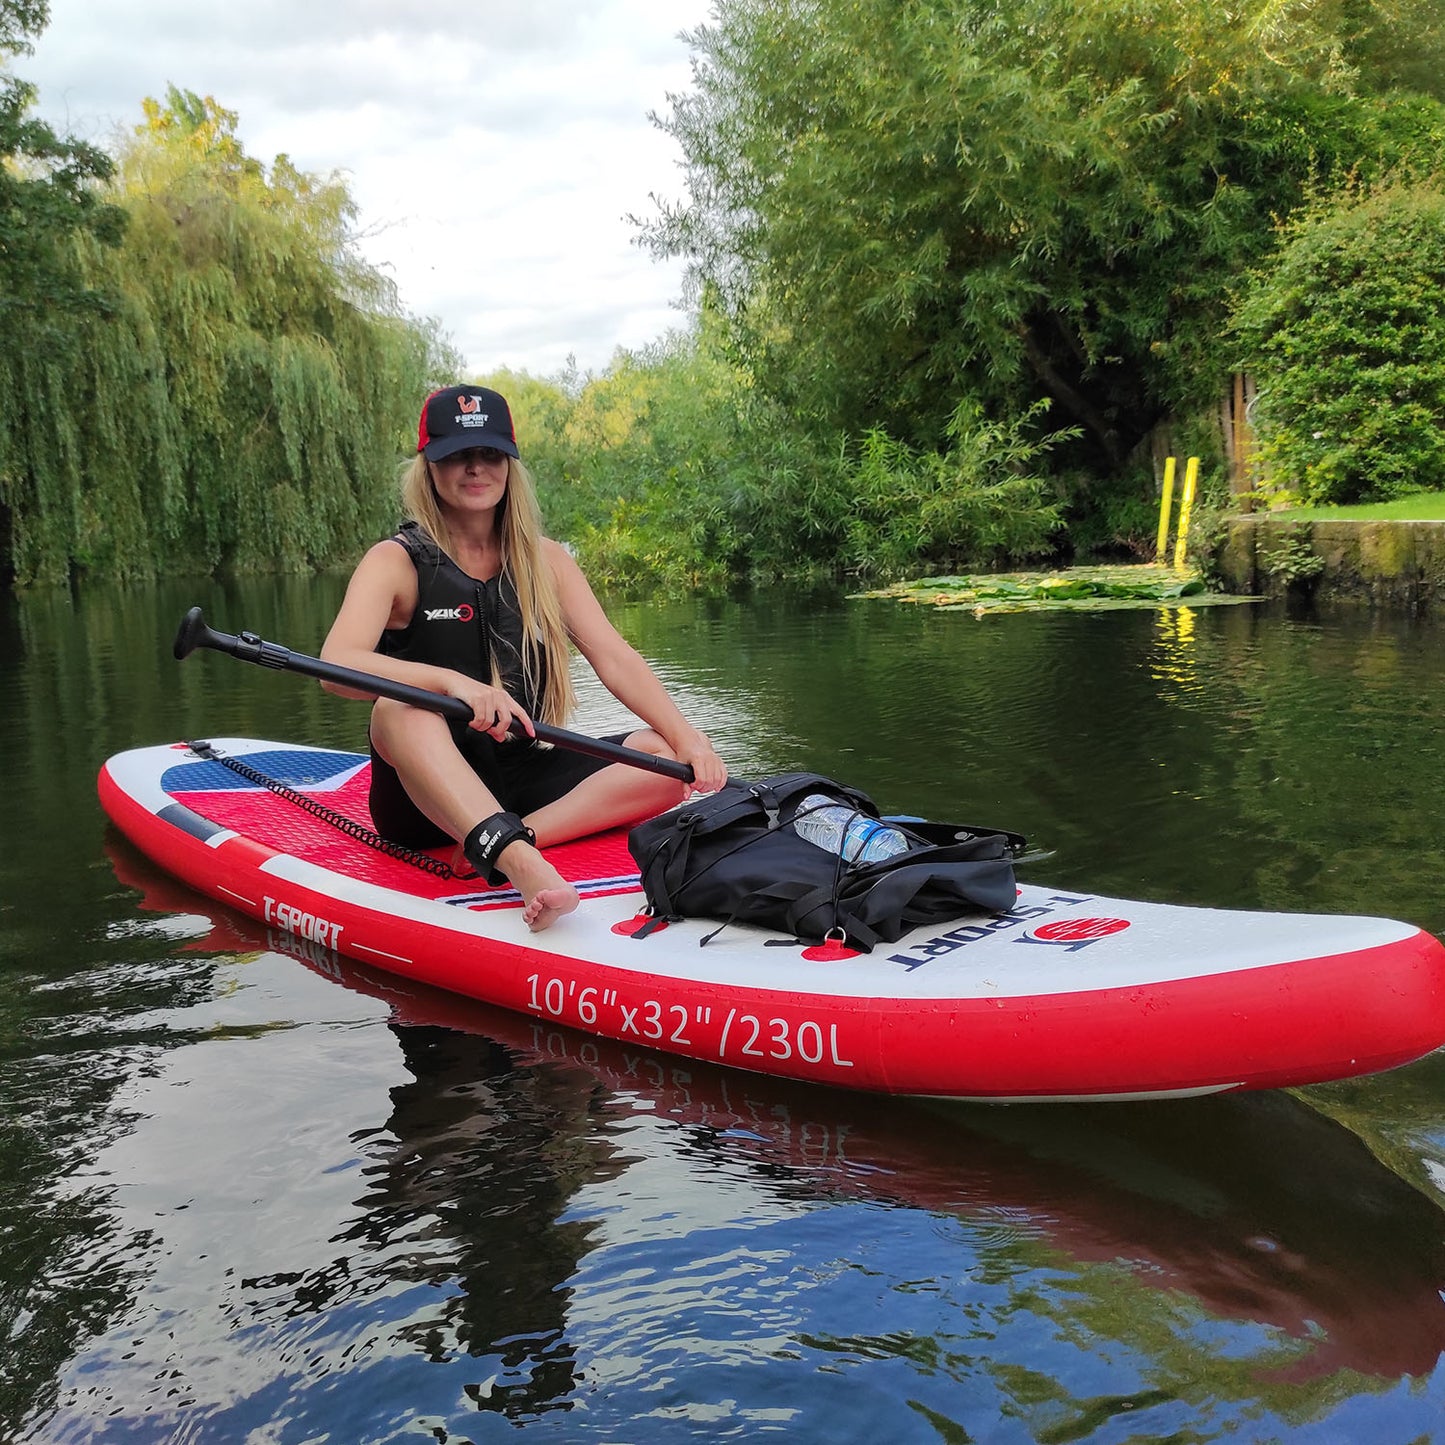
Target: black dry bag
{"type": "Point", "coordinates": [735, 857]}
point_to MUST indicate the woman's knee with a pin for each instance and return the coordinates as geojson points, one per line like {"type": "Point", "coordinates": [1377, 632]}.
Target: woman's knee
{"type": "Point", "coordinates": [655, 790]}
{"type": "Point", "coordinates": [645, 740]}
{"type": "Point", "coordinates": [396, 727]}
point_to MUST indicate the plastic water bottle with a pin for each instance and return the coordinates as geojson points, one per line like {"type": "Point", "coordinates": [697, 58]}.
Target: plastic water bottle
{"type": "Point", "coordinates": [840, 829]}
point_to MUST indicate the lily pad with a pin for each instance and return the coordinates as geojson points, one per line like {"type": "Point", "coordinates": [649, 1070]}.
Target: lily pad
{"type": "Point", "coordinates": [1074, 589]}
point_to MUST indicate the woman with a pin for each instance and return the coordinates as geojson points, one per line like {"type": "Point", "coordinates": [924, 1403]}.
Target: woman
{"type": "Point", "coordinates": [470, 599]}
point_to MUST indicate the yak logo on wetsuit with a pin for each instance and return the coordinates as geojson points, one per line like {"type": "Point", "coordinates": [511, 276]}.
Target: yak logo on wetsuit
{"type": "Point", "coordinates": [464, 613]}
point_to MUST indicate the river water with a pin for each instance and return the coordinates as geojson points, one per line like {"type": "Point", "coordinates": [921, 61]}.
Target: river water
{"type": "Point", "coordinates": [245, 1200]}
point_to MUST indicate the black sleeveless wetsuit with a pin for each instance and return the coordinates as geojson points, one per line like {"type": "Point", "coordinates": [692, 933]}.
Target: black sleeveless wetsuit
{"type": "Point", "coordinates": [462, 623]}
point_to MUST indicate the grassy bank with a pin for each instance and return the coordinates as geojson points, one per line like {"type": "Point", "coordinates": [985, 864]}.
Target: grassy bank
{"type": "Point", "coordinates": [1426, 507]}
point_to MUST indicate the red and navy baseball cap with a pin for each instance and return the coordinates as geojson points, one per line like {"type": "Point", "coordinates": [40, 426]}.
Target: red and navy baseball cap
{"type": "Point", "coordinates": [458, 417]}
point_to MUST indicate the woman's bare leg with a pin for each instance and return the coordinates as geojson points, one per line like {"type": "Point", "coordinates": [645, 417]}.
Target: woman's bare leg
{"type": "Point", "coordinates": [441, 783]}
{"type": "Point", "coordinates": [614, 795]}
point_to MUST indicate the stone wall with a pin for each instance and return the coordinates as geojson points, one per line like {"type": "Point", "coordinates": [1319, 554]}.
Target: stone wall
{"type": "Point", "coordinates": [1390, 564]}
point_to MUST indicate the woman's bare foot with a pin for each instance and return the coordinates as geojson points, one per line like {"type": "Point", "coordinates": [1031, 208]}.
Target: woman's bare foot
{"type": "Point", "coordinates": [544, 908]}
{"type": "Point", "coordinates": [546, 895]}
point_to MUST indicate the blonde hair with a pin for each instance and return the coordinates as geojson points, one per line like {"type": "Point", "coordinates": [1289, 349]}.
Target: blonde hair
{"type": "Point", "coordinates": [519, 531]}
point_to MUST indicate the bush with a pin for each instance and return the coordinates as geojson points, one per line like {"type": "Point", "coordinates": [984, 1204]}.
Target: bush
{"type": "Point", "coordinates": [1345, 333]}
{"type": "Point", "coordinates": [980, 501]}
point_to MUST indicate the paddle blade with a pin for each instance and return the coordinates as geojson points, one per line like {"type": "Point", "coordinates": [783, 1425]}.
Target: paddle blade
{"type": "Point", "coordinates": [191, 634]}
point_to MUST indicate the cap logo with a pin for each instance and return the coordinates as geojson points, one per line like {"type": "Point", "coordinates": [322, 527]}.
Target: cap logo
{"type": "Point", "coordinates": [456, 418]}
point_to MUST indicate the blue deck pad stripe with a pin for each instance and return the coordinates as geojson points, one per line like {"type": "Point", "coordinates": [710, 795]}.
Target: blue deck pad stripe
{"type": "Point", "coordinates": [297, 768]}
{"type": "Point", "coordinates": [584, 886]}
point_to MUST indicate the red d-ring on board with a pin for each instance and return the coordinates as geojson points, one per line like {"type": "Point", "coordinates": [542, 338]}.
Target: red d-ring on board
{"type": "Point", "coordinates": [629, 926]}
{"type": "Point", "coordinates": [832, 948]}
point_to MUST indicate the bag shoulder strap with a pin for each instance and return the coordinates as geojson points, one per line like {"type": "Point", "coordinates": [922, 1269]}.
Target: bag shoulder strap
{"type": "Point", "coordinates": [792, 788]}
{"type": "Point", "coordinates": [773, 800]}
{"type": "Point", "coordinates": [947, 835]}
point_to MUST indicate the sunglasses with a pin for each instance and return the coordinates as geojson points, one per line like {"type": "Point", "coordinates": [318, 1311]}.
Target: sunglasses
{"type": "Point", "coordinates": [489, 455]}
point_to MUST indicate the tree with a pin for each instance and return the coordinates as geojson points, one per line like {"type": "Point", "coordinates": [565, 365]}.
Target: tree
{"type": "Point", "coordinates": [248, 392]}
{"type": "Point", "coordinates": [669, 467]}
{"type": "Point", "coordinates": [903, 204]}
{"type": "Point", "coordinates": [47, 194]}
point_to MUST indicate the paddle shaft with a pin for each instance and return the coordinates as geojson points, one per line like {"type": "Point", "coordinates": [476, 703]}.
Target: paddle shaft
{"type": "Point", "coordinates": [248, 647]}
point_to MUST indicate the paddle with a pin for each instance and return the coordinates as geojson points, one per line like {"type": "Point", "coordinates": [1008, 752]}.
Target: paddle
{"type": "Point", "coordinates": [194, 632]}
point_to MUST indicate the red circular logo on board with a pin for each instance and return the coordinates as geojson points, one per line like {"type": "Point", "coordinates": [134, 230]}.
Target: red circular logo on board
{"type": "Point", "coordinates": [1080, 930]}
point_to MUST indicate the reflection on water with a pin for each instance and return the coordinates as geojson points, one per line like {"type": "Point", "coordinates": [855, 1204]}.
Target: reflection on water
{"type": "Point", "coordinates": [255, 1192]}
{"type": "Point", "coordinates": [536, 1222]}
{"type": "Point", "coordinates": [1175, 665]}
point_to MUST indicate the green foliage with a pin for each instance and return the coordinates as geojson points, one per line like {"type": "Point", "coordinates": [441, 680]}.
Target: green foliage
{"type": "Point", "coordinates": [46, 197]}
{"type": "Point", "coordinates": [959, 260]}
{"type": "Point", "coordinates": [1204, 544]}
{"type": "Point", "coordinates": [904, 203]}
{"type": "Point", "coordinates": [1293, 559]}
{"type": "Point", "coordinates": [980, 500]}
{"type": "Point", "coordinates": [670, 467]}
{"type": "Point", "coordinates": [246, 396]}
{"type": "Point", "coordinates": [47, 201]}
{"type": "Point", "coordinates": [1114, 516]}
{"type": "Point", "coordinates": [1345, 333]}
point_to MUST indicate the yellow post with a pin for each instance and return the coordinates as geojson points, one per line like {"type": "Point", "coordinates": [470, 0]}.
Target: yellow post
{"type": "Point", "coordinates": [1164, 504]}
{"type": "Point", "coordinates": [1186, 505]}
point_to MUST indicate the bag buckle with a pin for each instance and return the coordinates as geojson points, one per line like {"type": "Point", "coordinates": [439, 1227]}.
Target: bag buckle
{"type": "Point", "coordinates": [769, 800]}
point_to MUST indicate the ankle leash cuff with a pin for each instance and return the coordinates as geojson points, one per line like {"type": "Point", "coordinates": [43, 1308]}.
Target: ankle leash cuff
{"type": "Point", "coordinates": [491, 837]}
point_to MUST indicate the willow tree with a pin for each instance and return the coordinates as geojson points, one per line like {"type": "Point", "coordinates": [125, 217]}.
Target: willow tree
{"type": "Point", "coordinates": [246, 399]}
{"type": "Point", "coordinates": [906, 203]}
{"type": "Point", "coordinates": [47, 197]}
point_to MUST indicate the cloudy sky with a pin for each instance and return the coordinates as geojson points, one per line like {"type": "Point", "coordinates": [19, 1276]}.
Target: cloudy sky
{"type": "Point", "coordinates": [493, 148]}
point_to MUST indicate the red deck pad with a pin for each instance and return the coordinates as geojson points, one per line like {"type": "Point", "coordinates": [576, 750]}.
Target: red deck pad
{"type": "Point", "coordinates": [597, 865]}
